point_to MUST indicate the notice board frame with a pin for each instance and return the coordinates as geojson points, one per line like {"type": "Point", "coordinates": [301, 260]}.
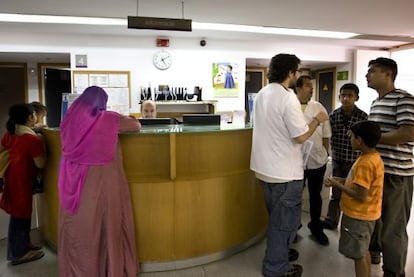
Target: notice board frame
{"type": "Point", "coordinates": [116, 83]}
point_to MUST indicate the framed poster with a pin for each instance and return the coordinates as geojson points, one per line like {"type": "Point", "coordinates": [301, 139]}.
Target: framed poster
{"type": "Point", "coordinates": [225, 79]}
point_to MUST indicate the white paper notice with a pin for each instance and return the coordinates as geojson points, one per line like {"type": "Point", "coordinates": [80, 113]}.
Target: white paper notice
{"type": "Point", "coordinates": [81, 82]}
{"type": "Point", "coordinates": [118, 100]}
{"type": "Point", "coordinates": [100, 80]}
{"type": "Point", "coordinates": [118, 80]}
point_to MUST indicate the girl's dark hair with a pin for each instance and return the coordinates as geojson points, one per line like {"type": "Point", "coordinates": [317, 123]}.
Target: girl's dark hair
{"type": "Point", "coordinates": [368, 131]}
{"type": "Point", "coordinates": [38, 107]}
{"type": "Point", "coordinates": [280, 66]}
{"type": "Point", "coordinates": [18, 114]}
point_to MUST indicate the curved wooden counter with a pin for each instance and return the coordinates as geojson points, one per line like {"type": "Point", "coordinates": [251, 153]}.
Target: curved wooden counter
{"type": "Point", "coordinates": [194, 198]}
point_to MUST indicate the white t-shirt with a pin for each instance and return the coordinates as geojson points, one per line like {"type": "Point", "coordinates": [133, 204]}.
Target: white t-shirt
{"type": "Point", "coordinates": [318, 155]}
{"type": "Point", "coordinates": [277, 119]}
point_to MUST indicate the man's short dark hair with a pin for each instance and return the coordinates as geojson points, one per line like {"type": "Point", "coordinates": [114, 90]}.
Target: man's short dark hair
{"type": "Point", "coordinates": [368, 131]}
{"type": "Point", "coordinates": [350, 86]}
{"type": "Point", "coordinates": [300, 82]}
{"type": "Point", "coordinates": [280, 66]}
{"type": "Point", "coordinates": [386, 64]}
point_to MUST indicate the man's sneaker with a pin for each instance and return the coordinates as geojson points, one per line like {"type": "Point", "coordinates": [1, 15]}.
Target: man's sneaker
{"type": "Point", "coordinates": [295, 271]}
{"type": "Point", "coordinates": [293, 255]}
{"type": "Point", "coordinates": [375, 257]}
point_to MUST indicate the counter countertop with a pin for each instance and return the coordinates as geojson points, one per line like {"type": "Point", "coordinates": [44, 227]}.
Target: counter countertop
{"type": "Point", "coordinates": [181, 128]}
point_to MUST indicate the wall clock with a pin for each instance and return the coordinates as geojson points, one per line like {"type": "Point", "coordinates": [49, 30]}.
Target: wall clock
{"type": "Point", "coordinates": [162, 60]}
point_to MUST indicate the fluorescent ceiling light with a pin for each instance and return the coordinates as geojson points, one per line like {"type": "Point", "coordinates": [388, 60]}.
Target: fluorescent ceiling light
{"type": "Point", "coordinates": [271, 30]}
{"type": "Point", "coordinates": [53, 19]}
{"type": "Point", "coordinates": [56, 19]}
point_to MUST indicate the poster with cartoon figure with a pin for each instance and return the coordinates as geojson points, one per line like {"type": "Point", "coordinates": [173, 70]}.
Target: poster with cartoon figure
{"type": "Point", "coordinates": [225, 79]}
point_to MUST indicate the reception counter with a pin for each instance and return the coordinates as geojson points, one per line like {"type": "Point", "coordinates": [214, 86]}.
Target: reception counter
{"type": "Point", "coordinates": [194, 198]}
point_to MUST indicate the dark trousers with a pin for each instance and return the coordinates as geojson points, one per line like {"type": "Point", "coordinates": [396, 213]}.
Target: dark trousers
{"type": "Point", "coordinates": [392, 238]}
{"type": "Point", "coordinates": [315, 182]}
{"type": "Point", "coordinates": [339, 169]}
{"type": "Point", "coordinates": [18, 237]}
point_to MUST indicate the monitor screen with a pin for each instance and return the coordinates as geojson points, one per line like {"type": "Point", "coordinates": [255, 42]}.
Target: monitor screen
{"type": "Point", "coordinates": [201, 119]}
{"type": "Point", "coordinates": [157, 121]}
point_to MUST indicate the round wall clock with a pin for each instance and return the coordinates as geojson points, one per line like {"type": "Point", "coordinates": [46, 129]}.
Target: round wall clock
{"type": "Point", "coordinates": [162, 60]}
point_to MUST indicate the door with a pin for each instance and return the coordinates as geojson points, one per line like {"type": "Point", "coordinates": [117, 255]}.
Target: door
{"type": "Point", "coordinates": [255, 80]}
{"type": "Point", "coordinates": [13, 89]}
{"type": "Point", "coordinates": [57, 82]}
{"type": "Point", "coordinates": [326, 88]}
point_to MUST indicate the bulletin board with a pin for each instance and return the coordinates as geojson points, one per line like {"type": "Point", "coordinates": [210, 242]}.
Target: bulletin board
{"type": "Point", "coordinates": [115, 83]}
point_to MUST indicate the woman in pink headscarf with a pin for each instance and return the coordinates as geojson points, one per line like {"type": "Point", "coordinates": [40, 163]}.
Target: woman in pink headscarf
{"type": "Point", "coordinates": [96, 234]}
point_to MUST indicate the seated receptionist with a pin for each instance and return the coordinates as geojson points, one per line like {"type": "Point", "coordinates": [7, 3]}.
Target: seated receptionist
{"type": "Point", "coordinates": [148, 109]}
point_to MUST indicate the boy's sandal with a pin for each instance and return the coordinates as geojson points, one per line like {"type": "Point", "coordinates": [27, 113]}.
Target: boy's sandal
{"type": "Point", "coordinates": [30, 256]}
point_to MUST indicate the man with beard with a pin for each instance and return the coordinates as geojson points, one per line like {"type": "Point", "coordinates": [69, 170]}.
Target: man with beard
{"type": "Point", "coordinates": [279, 129]}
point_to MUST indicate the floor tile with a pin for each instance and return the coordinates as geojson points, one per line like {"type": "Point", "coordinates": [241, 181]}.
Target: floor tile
{"type": "Point", "coordinates": [317, 260]}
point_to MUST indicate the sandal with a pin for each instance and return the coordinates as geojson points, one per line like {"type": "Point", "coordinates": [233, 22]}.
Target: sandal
{"type": "Point", "coordinates": [30, 256]}
{"type": "Point", "coordinates": [34, 246]}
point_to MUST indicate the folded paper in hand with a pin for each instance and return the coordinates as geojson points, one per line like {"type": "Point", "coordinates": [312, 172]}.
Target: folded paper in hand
{"type": "Point", "coordinates": [306, 149]}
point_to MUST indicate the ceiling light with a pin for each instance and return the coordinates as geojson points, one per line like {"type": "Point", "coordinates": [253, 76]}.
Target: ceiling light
{"type": "Point", "coordinates": [53, 19]}
{"type": "Point", "coordinates": [57, 19]}
{"type": "Point", "coordinates": [272, 30]}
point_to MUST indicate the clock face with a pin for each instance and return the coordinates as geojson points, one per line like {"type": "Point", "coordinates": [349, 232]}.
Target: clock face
{"type": "Point", "coordinates": [162, 60]}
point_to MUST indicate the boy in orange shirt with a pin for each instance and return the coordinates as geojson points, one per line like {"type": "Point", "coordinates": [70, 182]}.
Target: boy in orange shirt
{"type": "Point", "coordinates": [362, 198]}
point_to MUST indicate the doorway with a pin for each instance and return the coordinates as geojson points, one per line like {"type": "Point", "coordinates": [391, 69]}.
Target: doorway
{"type": "Point", "coordinates": [325, 82]}
{"type": "Point", "coordinates": [256, 78]}
{"type": "Point", "coordinates": [13, 89]}
{"type": "Point", "coordinates": [55, 80]}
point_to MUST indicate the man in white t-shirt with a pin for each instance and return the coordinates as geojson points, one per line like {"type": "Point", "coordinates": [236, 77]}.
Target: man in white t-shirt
{"type": "Point", "coordinates": [316, 164]}
{"type": "Point", "coordinates": [279, 129]}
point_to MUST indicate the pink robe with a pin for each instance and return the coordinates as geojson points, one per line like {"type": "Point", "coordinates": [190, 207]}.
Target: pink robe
{"type": "Point", "coordinates": [99, 239]}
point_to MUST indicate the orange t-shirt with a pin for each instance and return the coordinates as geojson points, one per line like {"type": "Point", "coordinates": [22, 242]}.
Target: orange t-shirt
{"type": "Point", "coordinates": [367, 172]}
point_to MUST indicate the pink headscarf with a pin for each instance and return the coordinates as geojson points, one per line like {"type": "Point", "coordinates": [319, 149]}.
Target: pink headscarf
{"type": "Point", "coordinates": [89, 136]}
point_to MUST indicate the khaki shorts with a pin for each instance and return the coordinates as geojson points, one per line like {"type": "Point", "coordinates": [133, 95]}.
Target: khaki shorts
{"type": "Point", "coordinates": [355, 237]}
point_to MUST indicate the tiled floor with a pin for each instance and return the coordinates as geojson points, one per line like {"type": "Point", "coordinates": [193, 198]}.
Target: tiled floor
{"type": "Point", "coordinates": [317, 261]}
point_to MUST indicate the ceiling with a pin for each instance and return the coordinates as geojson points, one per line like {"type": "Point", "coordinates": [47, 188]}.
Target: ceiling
{"type": "Point", "coordinates": [382, 24]}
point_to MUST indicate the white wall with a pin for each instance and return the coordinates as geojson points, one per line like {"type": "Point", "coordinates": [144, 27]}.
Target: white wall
{"type": "Point", "coordinates": [192, 64]}
{"type": "Point", "coordinates": [405, 76]}
{"type": "Point", "coordinates": [361, 59]}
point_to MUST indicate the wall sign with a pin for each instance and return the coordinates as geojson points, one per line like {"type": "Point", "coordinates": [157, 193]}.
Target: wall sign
{"type": "Point", "coordinates": [342, 75]}
{"type": "Point", "coordinates": [81, 61]}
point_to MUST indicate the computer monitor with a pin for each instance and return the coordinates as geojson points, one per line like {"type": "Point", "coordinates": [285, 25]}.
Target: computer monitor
{"type": "Point", "coordinates": [201, 119]}
{"type": "Point", "coordinates": [157, 121]}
